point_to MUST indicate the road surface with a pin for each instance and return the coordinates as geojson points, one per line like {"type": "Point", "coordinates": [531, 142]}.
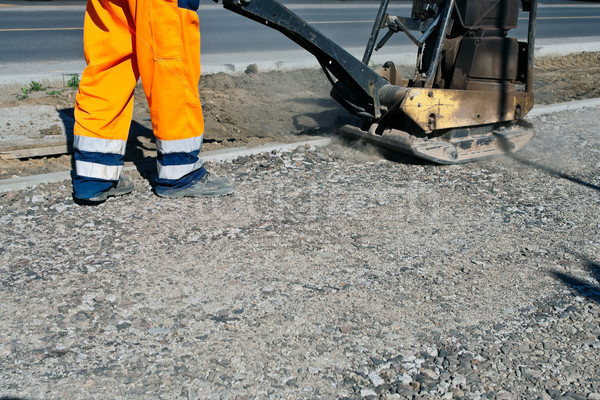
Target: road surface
{"type": "Point", "coordinates": [51, 32]}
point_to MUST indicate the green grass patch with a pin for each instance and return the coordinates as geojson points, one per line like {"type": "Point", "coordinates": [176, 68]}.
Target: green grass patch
{"type": "Point", "coordinates": [35, 86]}
{"type": "Point", "coordinates": [24, 93]}
{"type": "Point", "coordinates": [73, 82]}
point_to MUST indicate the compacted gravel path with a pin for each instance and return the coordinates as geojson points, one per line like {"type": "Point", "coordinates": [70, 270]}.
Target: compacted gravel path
{"type": "Point", "coordinates": [330, 273]}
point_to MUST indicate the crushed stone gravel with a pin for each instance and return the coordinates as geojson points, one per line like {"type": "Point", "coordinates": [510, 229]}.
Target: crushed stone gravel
{"type": "Point", "coordinates": [331, 273]}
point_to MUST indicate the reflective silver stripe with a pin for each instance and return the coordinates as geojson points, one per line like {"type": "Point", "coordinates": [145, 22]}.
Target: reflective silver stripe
{"type": "Point", "coordinates": [97, 145]}
{"type": "Point", "coordinates": [179, 146]}
{"type": "Point", "coordinates": [100, 171]}
{"type": "Point", "coordinates": [177, 171]}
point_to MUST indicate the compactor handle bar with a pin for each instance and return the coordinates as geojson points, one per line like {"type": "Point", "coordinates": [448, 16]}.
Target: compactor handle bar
{"type": "Point", "coordinates": [359, 87]}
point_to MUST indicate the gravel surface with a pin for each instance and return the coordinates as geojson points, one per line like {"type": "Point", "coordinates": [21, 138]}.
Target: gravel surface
{"type": "Point", "coordinates": [331, 273]}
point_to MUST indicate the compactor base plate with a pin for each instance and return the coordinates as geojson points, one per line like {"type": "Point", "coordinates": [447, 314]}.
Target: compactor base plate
{"type": "Point", "coordinates": [458, 145]}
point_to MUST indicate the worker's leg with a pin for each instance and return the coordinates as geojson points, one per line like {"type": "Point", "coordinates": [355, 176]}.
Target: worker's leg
{"type": "Point", "coordinates": [105, 99]}
{"type": "Point", "coordinates": [168, 50]}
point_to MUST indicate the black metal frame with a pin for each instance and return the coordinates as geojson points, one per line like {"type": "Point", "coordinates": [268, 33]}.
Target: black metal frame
{"type": "Point", "coordinates": [358, 88]}
{"type": "Point", "coordinates": [357, 85]}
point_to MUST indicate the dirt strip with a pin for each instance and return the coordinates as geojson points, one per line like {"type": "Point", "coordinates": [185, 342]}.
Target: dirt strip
{"type": "Point", "coordinates": [258, 108]}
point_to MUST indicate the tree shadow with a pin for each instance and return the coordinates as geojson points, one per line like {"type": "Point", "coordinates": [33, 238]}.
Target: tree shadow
{"type": "Point", "coordinates": [581, 287]}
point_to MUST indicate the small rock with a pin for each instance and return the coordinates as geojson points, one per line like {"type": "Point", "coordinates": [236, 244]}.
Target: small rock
{"type": "Point", "coordinates": [532, 373]}
{"type": "Point", "coordinates": [10, 196]}
{"type": "Point", "coordinates": [321, 348]}
{"type": "Point", "coordinates": [429, 373]}
{"type": "Point", "coordinates": [376, 361]}
{"type": "Point", "coordinates": [502, 395]}
{"type": "Point", "coordinates": [406, 393]}
{"type": "Point", "coordinates": [123, 324]}
{"type": "Point", "coordinates": [524, 348]}
{"type": "Point", "coordinates": [252, 69]}
{"type": "Point", "coordinates": [405, 379]}
{"type": "Point", "coordinates": [575, 396]}
{"type": "Point", "coordinates": [368, 393]}
{"type": "Point", "coordinates": [313, 369]}
{"type": "Point", "coordinates": [376, 379]}
{"type": "Point", "coordinates": [345, 329]}
{"type": "Point", "coordinates": [458, 380]}
{"type": "Point", "coordinates": [548, 345]}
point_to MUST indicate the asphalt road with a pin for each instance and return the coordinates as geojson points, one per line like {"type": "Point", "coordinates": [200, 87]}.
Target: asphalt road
{"type": "Point", "coordinates": [33, 32]}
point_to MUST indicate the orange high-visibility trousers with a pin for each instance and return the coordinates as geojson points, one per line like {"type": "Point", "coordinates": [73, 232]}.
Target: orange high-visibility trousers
{"type": "Point", "coordinates": [159, 41]}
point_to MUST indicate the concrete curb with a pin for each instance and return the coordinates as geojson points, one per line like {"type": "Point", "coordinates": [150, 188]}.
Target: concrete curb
{"type": "Point", "coordinates": [236, 63]}
{"type": "Point", "coordinates": [558, 107]}
{"type": "Point", "coordinates": [20, 183]}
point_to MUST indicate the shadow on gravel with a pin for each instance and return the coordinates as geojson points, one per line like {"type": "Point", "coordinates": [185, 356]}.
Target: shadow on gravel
{"type": "Point", "coordinates": [146, 166]}
{"type": "Point", "coordinates": [583, 288]}
{"type": "Point", "coordinates": [13, 398]}
{"type": "Point", "coordinates": [68, 119]}
{"type": "Point", "coordinates": [553, 172]}
{"type": "Point", "coordinates": [402, 158]}
{"type": "Point", "coordinates": [138, 135]}
{"type": "Point", "coordinates": [317, 121]}
{"type": "Point", "coordinates": [370, 149]}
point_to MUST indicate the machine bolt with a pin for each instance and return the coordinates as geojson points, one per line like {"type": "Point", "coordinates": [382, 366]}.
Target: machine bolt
{"type": "Point", "coordinates": [518, 112]}
{"type": "Point", "coordinates": [452, 153]}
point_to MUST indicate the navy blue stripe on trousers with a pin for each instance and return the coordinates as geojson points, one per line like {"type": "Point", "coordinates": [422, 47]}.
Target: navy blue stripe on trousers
{"type": "Point", "coordinates": [189, 4]}
{"type": "Point", "coordinates": [178, 158]}
{"type": "Point", "coordinates": [95, 172]}
{"type": "Point", "coordinates": [99, 158]}
{"type": "Point", "coordinates": [165, 185]}
{"type": "Point", "coordinates": [178, 170]}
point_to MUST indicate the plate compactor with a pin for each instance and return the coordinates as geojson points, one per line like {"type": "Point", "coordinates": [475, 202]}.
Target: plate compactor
{"type": "Point", "coordinates": [471, 88]}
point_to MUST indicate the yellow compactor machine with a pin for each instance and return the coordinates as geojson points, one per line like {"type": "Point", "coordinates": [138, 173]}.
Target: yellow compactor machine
{"type": "Point", "coordinates": [472, 85]}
